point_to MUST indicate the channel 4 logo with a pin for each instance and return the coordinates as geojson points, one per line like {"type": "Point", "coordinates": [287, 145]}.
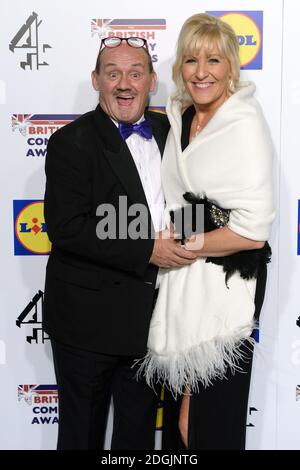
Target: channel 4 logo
{"type": "Point", "coordinates": [27, 39]}
{"type": "Point", "coordinates": [31, 317]}
{"type": "Point", "coordinates": [251, 416]}
{"type": "Point", "coordinates": [248, 26]}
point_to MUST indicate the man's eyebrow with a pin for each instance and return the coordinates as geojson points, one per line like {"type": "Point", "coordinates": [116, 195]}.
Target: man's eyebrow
{"type": "Point", "coordinates": [112, 64]}
{"type": "Point", "coordinates": [139, 64]}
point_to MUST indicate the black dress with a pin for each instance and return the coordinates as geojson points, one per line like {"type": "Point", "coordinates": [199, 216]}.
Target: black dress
{"type": "Point", "coordinates": [218, 413]}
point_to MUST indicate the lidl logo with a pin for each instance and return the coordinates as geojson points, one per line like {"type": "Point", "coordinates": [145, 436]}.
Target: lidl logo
{"type": "Point", "coordinates": [30, 233]}
{"type": "Point", "coordinates": [248, 26]}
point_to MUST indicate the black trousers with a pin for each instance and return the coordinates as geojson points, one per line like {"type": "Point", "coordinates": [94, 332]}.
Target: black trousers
{"type": "Point", "coordinates": [86, 381]}
{"type": "Point", "coordinates": [218, 413]}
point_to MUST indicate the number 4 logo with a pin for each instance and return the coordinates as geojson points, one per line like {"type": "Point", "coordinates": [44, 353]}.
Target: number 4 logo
{"type": "Point", "coordinates": [27, 38]}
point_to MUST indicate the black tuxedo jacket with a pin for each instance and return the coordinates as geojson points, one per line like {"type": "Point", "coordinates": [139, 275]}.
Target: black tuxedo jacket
{"type": "Point", "coordinates": [98, 293]}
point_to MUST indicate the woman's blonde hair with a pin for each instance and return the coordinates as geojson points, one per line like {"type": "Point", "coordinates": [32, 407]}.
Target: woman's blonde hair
{"type": "Point", "coordinates": [203, 30]}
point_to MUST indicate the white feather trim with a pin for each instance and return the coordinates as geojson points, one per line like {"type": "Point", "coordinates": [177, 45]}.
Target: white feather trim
{"type": "Point", "coordinates": [202, 363]}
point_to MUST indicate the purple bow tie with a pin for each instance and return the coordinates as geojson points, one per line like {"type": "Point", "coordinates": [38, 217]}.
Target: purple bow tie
{"type": "Point", "coordinates": [143, 128]}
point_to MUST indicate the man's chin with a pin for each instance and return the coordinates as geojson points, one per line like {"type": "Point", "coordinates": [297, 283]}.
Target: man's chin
{"type": "Point", "coordinates": [127, 115]}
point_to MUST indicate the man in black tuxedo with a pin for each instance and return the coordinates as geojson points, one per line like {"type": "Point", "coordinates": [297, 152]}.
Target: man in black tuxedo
{"type": "Point", "coordinates": [100, 287]}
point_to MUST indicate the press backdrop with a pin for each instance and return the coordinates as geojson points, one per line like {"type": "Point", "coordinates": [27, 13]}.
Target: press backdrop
{"type": "Point", "coordinates": [47, 52]}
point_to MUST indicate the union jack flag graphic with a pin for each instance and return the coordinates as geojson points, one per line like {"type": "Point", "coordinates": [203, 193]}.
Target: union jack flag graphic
{"type": "Point", "coordinates": [22, 121]}
{"type": "Point", "coordinates": [297, 392]}
{"type": "Point", "coordinates": [102, 27]}
{"type": "Point", "coordinates": [26, 392]}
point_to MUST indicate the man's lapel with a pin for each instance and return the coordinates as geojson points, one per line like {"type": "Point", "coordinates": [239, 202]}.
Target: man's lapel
{"type": "Point", "coordinates": [158, 132]}
{"type": "Point", "coordinates": [118, 156]}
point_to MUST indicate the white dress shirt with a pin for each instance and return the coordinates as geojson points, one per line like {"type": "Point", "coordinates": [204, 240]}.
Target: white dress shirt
{"type": "Point", "coordinates": [147, 159]}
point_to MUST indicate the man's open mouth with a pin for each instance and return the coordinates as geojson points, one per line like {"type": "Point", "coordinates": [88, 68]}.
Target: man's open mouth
{"type": "Point", "coordinates": [124, 100]}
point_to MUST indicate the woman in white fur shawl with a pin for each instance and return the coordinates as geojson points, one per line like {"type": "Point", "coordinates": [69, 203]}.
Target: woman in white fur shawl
{"type": "Point", "coordinates": [218, 154]}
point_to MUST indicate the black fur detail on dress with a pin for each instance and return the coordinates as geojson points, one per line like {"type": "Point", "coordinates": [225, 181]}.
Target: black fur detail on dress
{"type": "Point", "coordinates": [248, 263]}
{"type": "Point", "coordinates": [209, 212]}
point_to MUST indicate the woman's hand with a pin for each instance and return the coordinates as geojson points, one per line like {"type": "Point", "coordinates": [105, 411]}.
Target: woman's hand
{"type": "Point", "coordinates": [195, 243]}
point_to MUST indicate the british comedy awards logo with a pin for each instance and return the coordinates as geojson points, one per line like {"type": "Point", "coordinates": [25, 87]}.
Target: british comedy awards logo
{"type": "Point", "coordinates": [31, 318]}
{"type": "Point", "coordinates": [248, 26]}
{"type": "Point", "coordinates": [30, 233]}
{"type": "Point", "coordinates": [37, 128]}
{"type": "Point", "coordinates": [148, 29]}
{"type": "Point", "coordinates": [42, 400]}
{"type": "Point", "coordinates": [27, 39]}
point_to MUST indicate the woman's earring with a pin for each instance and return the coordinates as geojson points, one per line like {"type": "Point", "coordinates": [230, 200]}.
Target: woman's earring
{"type": "Point", "coordinates": [231, 86]}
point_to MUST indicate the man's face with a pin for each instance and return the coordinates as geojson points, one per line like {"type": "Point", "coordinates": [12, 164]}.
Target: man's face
{"type": "Point", "coordinates": [124, 82]}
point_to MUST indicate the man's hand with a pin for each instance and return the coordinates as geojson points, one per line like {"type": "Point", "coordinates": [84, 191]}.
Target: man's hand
{"type": "Point", "coordinates": [167, 251]}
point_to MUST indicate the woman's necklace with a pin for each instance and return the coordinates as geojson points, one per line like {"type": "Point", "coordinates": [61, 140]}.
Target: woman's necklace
{"type": "Point", "coordinates": [198, 130]}
{"type": "Point", "coordinates": [199, 126]}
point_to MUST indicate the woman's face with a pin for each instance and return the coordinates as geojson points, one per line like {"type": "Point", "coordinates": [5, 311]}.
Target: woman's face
{"type": "Point", "coordinates": [206, 77]}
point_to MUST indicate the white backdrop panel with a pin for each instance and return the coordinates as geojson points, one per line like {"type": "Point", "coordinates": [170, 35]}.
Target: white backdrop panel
{"type": "Point", "coordinates": [63, 88]}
